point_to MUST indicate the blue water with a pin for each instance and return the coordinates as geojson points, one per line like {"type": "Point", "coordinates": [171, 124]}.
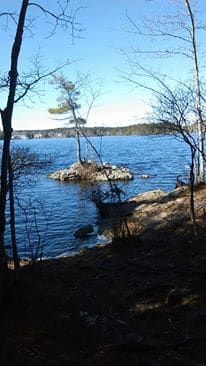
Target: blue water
{"type": "Point", "coordinates": [58, 209]}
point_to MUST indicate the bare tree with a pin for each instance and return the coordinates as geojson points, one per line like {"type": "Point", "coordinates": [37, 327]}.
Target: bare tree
{"type": "Point", "coordinates": [175, 108]}
{"type": "Point", "coordinates": [197, 84]}
{"type": "Point", "coordinates": [177, 37]}
{"type": "Point", "coordinates": [36, 235]}
{"type": "Point", "coordinates": [63, 18]}
{"type": "Point", "coordinates": [24, 166]}
{"type": "Point", "coordinates": [176, 102]}
{"type": "Point", "coordinates": [6, 117]}
{"type": "Point", "coordinates": [173, 105]}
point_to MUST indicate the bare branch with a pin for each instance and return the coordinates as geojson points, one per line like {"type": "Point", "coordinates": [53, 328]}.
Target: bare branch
{"type": "Point", "coordinates": [62, 19]}
{"type": "Point", "coordinates": [161, 53]}
{"type": "Point", "coordinates": [37, 77]}
{"type": "Point", "coordinates": [155, 32]}
{"type": "Point", "coordinates": [9, 15]}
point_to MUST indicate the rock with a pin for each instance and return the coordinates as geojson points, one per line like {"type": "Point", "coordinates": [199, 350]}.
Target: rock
{"type": "Point", "coordinates": [145, 176]}
{"type": "Point", "coordinates": [84, 231]}
{"type": "Point", "coordinates": [92, 172]}
{"type": "Point", "coordinates": [108, 209]}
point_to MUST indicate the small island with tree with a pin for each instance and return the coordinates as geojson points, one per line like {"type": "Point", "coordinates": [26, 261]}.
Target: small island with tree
{"type": "Point", "coordinates": [83, 170]}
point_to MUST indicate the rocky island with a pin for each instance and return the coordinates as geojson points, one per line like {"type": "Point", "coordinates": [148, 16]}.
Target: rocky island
{"type": "Point", "coordinates": [90, 171]}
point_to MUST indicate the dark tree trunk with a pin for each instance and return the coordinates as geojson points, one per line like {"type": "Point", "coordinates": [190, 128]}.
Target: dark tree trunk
{"type": "Point", "coordinates": [12, 217]}
{"type": "Point", "coordinates": [3, 194]}
{"type": "Point", "coordinates": [6, 116]}
{"type": "Point", "coordinates": [79, 159]}
{"type": "Point", "coordinates": [192, 184]}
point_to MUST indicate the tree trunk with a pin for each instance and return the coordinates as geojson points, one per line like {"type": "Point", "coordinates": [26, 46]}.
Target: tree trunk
{"type": "Point", "coordinates": [198, 101]}
{"type": "Point", "coordinates": [12, 217]}
{"type": "Point", "coordinates": [6, 116]}
{"type": "Point", "coordinates": [79, 157]}
{"type": "Point", "coordinates": [201, 159]}
{"type": "Point", "coordinates": [3, 194]}
{"type": "Point", "coordinates": [192, 181]}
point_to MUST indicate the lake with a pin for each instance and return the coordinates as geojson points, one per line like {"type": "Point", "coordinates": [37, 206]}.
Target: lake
{"type": "Point", "coordinates": [58, 209]}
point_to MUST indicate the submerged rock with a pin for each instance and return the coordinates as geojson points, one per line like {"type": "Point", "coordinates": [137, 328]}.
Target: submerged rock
{"type": "Point", "coordinates": [92, 172]}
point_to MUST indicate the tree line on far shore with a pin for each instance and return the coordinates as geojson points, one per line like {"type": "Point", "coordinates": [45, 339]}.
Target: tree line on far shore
{"type": "Point", "coordinates": [140, 129]}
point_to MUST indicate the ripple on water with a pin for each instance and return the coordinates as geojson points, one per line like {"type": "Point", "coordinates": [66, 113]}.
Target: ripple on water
{"type": "Point", "coordinates": [69, 206]}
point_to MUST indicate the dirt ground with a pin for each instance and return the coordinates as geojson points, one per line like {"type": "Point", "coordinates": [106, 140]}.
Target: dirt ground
{"type": "Point", "coordinates": [138, 301]}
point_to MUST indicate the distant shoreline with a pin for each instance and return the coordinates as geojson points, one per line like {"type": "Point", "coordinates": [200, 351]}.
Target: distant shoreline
{"type": "Point", "coordinates": [140, 129]}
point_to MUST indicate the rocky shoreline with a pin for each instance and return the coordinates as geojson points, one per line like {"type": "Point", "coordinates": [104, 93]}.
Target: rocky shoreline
{"type": "Point", "coordinates": [150, 213]}
{"type": "Point", "coordinates": [131, 302]}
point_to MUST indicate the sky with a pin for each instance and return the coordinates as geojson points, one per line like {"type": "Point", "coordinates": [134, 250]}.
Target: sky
{"type": "Point", "coordinates": [97, 50]}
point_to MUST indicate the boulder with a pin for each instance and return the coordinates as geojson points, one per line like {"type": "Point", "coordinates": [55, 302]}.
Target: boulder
{"type": "Point", "coordinates": [84, 231]}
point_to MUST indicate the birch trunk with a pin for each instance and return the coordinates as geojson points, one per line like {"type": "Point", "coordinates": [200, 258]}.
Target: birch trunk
{"type": "Point", "coordinates": [198, 99]}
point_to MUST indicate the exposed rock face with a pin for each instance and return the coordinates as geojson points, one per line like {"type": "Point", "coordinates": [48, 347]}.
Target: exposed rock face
{"type": "Point", "coordinates": [127, 208]}
{"type": "Point", "coordinates": [92, 172]}
{"type": "Point", "coordinates": [158, 210]}
{"type": "Point", "coordinates": [154, 212]}
{"type": "Point", "coordinates": [148, 197]}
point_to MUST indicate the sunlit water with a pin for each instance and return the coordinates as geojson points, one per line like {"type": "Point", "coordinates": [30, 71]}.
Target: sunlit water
{"type": "Point", "coordinates": [68, 206]}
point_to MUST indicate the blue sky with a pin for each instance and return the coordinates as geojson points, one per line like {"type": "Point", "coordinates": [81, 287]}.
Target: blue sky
{"type": "Point", "coordinates": [97, 52]}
